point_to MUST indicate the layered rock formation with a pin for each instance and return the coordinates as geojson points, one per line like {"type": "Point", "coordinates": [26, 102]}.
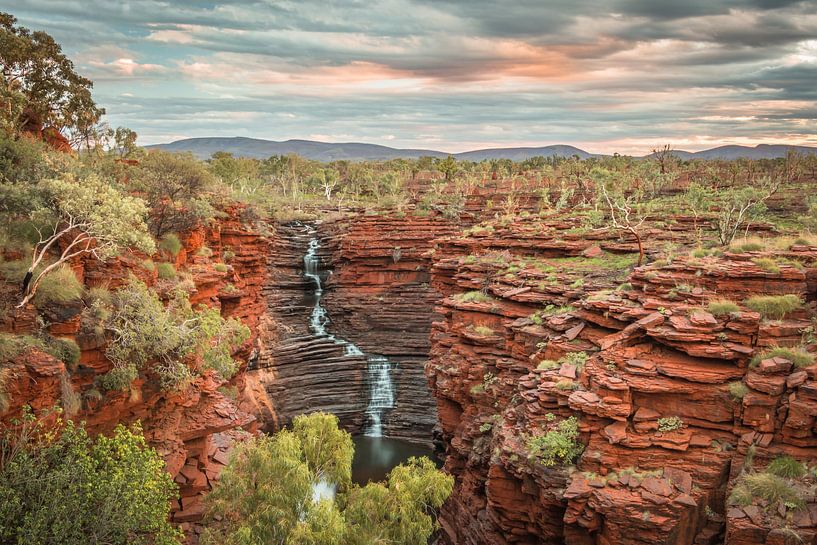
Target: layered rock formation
{"type": "Point", "coordinates": [541, 326]}
{"type": "Point", "coordinates": [224, 267]}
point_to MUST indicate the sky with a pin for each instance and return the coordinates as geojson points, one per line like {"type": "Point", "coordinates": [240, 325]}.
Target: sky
{"type": "Point", "coordinates": [607, 76]}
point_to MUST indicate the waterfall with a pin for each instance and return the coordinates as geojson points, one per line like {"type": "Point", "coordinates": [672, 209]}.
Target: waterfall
{"type": "Point", "coordinates": [381, 392]}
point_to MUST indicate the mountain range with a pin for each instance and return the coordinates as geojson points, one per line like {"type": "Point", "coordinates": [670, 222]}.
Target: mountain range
{"type": "Point", "coordinates": [356, 151]}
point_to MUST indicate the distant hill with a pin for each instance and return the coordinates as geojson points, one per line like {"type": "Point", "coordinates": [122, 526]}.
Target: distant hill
{"type": "Point", "coordinates": [356, 151]}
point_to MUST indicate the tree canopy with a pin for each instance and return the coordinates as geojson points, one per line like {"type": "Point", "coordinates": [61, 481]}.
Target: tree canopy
{"type": "Point", "coordinates": [39, 86]}
{"type": "Point", "coordinates": [67, 488]}
{"type": "Point", "coordinates": [266, 493]}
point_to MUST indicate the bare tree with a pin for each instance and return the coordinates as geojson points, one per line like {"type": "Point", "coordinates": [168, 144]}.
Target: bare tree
{"type": "Point", "coordinates": [664, 157]}
{"type": "Point", "coordinates": [625, 215]}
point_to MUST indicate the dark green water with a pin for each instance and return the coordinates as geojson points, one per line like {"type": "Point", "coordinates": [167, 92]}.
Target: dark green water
{"type": "Point", "coordinates": [376, 456]}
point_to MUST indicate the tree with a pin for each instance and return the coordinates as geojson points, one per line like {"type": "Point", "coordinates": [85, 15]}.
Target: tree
{"type": "Point", "coordinates": [697, 199]}
{"type": "Point", "coordinates": [265, 494]}
{"type": "Point", "coordinates": [38, 84]}
{"type": "Point", "coordinates": [175, 185]}
{"type": "Point", "coordinates": [87, 216]}
{"type": "Point", "coordinates": [627, 212]}
{"type": "Point", "coordinates": [739, 206]}
{"type": "Point", "coordinates": [664, 157]}
{"type": "Point", "coordinates": [124, 142]}
{"type": "Point", "coordinates": [61, 486]}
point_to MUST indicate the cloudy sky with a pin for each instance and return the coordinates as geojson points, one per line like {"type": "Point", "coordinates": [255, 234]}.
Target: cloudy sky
{"type": "Point", "coordinates": [616, 75]}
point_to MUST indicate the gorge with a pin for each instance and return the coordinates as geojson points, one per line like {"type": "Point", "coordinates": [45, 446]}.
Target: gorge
{"type": "Point", "coordinates": [476, 336]}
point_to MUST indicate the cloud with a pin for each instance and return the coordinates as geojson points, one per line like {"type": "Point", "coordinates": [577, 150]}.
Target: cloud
{"type": "Point", "coordinates": [407, 72]}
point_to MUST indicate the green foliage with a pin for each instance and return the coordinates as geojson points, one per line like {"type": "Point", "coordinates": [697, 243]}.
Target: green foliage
{"type": "Point", "coordinates": [722, 307]}
{"type": "Point", "coordinates": [766, 486]}
{"type": "Point", "coordinates": [145, 331]}
{"type": "Point", "coordinates": [786, 467]}
{"type": "Point", "coordinates": [798, 356]}
{"type": "Point", "coordinates": [473, 297]}
{"type": "Point", "coordinates": [566, 384]}
{"type": "Point", "coordinates": [39, 82]}
{"type": "Point", "coordinates": [70, 489]}
{"type": "Point", "coordinates": [148, 265]}
{"type": "Point", "coordinates": [175, 185]}
{"type": "Point", "coordinates": [670, 423]}
{"type": "Point", "coordinates": [59, 288]}
{"type": "Point", "coordinates": [483, 330]}
{"type": "Point", "coordinates": [548, 365]}
{"type": "Point", "coordinates": [204, 251]}
{"type": "Point", "coordinates": [220, 267]}
{"type": "Point", "coordinates": [557, 446]}
{"type": "Point", "coordinates": [738, 390]}
{"type": "Point", "coordinates": [775, 307]}
{"type": "Point", "coordinates": [278, 474]}
{"type": "Point", "coordinates": [118, 379]}
{"type": "Point", "coordinates": [748, 245]}
{"type": "Point", "coordinates": [767, 264]}
{"type": "Point", "coordinates": [166, 271]}
{"type": "Point", "coordinates": [12, 346]}
{"type": "Point", "coordinates": [170, 244]}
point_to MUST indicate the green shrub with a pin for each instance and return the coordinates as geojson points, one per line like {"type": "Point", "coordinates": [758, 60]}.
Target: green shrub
{"type": "Point", "coordinates": [59, 287]}
{"type": "Point", "coordinates": [227, 255]}
{"type": "Point", "coordinates": [67, 487]}
{"type": "Point", "coordinates": [220, 267]}
{"type": "Point", "coordinates": [548, 365]}
{"type": "Point", "coordinates": [11, 346]}
{"type": "Point", "coordinates": [786, 467]}
{"type": "Point", "coordinates": [64, 349]}
{"type": "Point", "coordinates": [558, 445]}
{"type": "Point", "coordinates": [699, 253]}
{"type": "Point", "coordinates": [747, 245]}
{"type": "Point", "coordinates": [204, 251]}
{"type": "Point", "coordinates": [69, 399]}
{"type": "Point", "coordinates": [566, 384]}
{"type": "Point", "coordinates": [771, 488]}
{"type": "Point", "coordinates": [166, 271]}
{"type": "Point", "coordinates": [738, 390]}
{"type": "Point", "coordinates": [721, 307]}
{"type": "Point", "coordinates": [118, 379]}
{"type": "Point", "coordinates": [577, 359]}
{"type": "Point", "coordinates": [483, 330]}
{"type": "Point", "coordinates": [774, 306]}
{"type": "Point", "coordinates": [767, 264]}
{"type": "Point", "coordinates": [6, 375]}
{"type": "Point", "coordinates": [148, 265]}
{"type": "Point", "coordinates": [230, 288]}
{"type": "Point", "coordinates": [170, 244]}
{"type": "Point", "coordinates": [670, 423]}
{"type": "Point", "coordinates": [798, 356]}
{"type": "Point", "coordinates": [473, 297]}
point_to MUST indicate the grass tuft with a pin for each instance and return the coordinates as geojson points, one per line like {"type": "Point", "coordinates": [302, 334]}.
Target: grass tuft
{"type": "Point", "coordinates": [775, 307]}
{"type": "Point", "coordinates": [786, 467]}
{"type": "Point", "coordinates": [738, 390]}
{"type": "Point", "coordinates": [798, 356]}
{"type": "Point", "coordinates": [722, 307]}
{"type": "Point", "coordinates": [171, 244]}
{"type": "Point", "coordinates": [166, 271]}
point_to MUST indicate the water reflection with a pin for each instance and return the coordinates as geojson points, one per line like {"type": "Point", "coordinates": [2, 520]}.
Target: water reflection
{"type": "Point", "coordinates": [376, 456]}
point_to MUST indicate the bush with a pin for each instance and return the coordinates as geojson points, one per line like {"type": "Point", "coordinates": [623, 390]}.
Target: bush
{"type": "Point", "coordinates": [204, 251]}
{"type": "Point", "coordinates": [798, 356]}
{"type": "Point", "coordinates": [220, 267]}
{"type": "Point", "coordinates": [473, 297]}
{"type": "Point", "coordinates": [767, 264]}
{"type": "Point", "coordinates": [670, 423]}
{"type": "Point", "coordinates": [148, 265]}
{"type": "Point", "coordinates": [558, 445]}
{"type": "Point", "coordinates": [66, 487]}
{"type": "Point", "coordinates": [722, 307]}
{"type": "Point", "coordinates": [171, 244]}
{"type": "Point", "coordinates": [12, 346]}
{"type": "Point", "coordinates": [59, 287]}
{"type": "Point", "coordinates": [566, 384]}
{"type": "Point", "coordinates": [548, 365]}
{"type": "Point", "coordinates": [771, 488]}
{"type": "Point", "coordinates": [118, 379]}
{"type": "Point", "coordinates": [71, 403]}
{"type": "Point", "coordinates": [747, 245]}
{"type": "Point", "coordinates": [738, 390]}
{"type": "Point", "coordinates": [774, 306]}
{"type": "Point", "coordinates": [786, 467]}
{"type": "Point", "coordinates": [166, 271]}
{"type": "Point", "coordinates": [64, 349]}
{"type": "Point", "coordinates": [483, 330]}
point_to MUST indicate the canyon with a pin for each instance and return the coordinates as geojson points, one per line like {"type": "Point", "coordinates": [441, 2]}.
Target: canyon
{"type": "Point", "coordinates": [475, 337]}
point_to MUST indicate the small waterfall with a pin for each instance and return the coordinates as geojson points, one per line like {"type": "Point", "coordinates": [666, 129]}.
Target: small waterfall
{"type": "Point", "coordinates": [381, 393]}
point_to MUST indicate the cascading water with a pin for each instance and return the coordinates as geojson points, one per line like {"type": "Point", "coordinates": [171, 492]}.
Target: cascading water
{"type": "Point", "coordinates": [381, 392]}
